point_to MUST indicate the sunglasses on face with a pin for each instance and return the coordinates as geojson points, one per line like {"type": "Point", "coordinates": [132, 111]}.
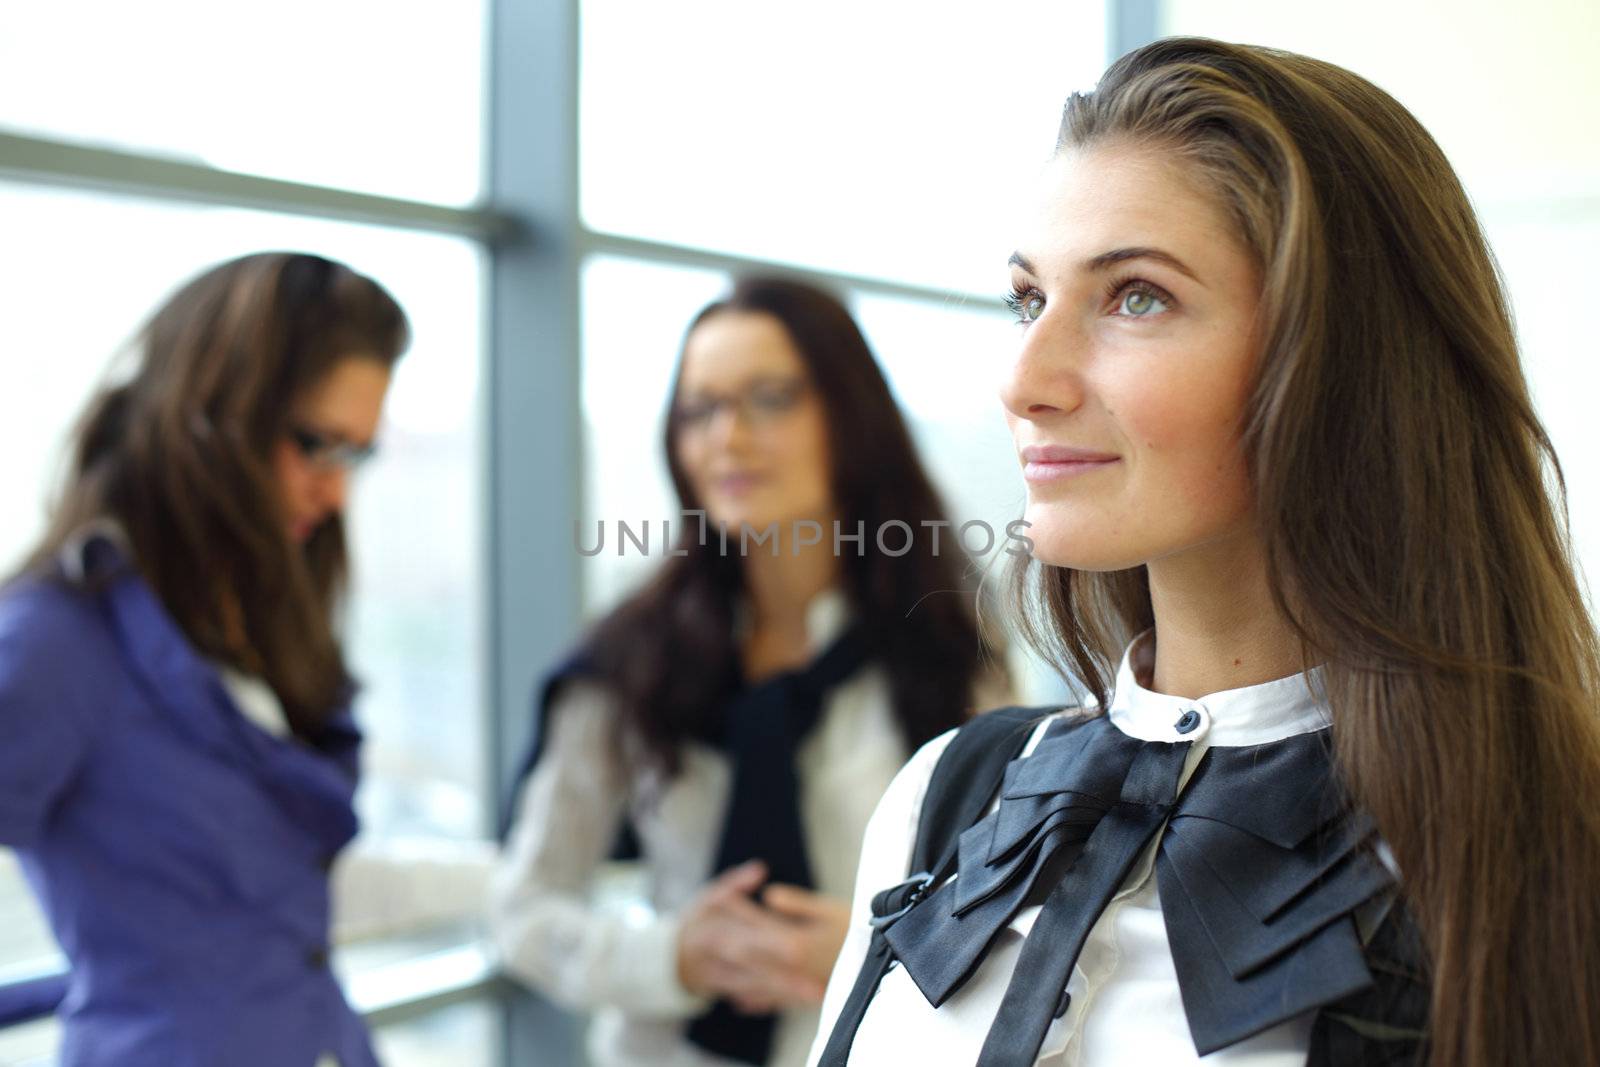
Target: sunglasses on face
{"type": "Point", "coordinates": [328, 451]}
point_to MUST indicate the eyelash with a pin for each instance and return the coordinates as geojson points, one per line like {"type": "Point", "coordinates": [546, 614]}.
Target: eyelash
{"type": "Point", "coordinates": [1018, 295]}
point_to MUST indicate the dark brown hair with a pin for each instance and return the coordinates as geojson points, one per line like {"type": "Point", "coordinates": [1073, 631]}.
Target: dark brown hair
{"type": "Point", "coordinates": [1403, 492]}
{"type": "Point", "coordinates": [667, 651]}
{"type": "Point", "coordinates": [179, 455]}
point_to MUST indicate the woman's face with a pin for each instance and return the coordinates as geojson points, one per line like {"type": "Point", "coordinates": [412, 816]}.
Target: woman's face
{"type": "Point", "coordinates": [332, 425]}
{"type": "Point", "coordinates": [1136, 360]}
{"type": "Point", "coordinates": [750, 432]}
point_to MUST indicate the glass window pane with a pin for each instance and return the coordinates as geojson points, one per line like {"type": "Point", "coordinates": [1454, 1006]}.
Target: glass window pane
{"type": "Point", "coordinates": [31, 1044]}
{"type": "Point", "coordinates": [1546, 255]}
{"type": "Point", "coordinates": [874, 139]}
{"type": "Point", "coordinates": [634, 318]}
{"type": "Point", "coordinates": [1522, 74]}
{"type": "Point", "coordinates": [26, 948]}
{"type": "Point", "coordinates": [1533, 183]}
{"type": "Point", "coordinates": [460, 1035]}
{"type": "Point", "coordinates": [378, 97]}
{"type": "Point", "coordinates": [94, 266]}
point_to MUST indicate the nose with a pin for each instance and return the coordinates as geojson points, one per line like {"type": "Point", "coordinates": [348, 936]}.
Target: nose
{"type": "Point", "coordinates": [728, 426]}
{"type": "Point", "coordinates": [1046, 377]}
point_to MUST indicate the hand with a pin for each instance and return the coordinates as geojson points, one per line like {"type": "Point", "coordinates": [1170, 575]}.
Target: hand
{"type": "Point", "coordinates": [819, 925]}
{"type": "Point", "coordinates": [729, 946]}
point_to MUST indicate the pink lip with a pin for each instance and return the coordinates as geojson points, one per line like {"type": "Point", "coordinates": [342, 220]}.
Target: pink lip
{"type": "Point", "coordinates": [1048, 463]}
{"type": "Point", "coordinates": [300, 530]}
{"type": "Point", "coordinates": [736, 484]}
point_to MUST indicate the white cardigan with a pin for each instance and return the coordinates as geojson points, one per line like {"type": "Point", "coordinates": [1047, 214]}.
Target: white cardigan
{"type": "Point", "coordinates": [622, 965]}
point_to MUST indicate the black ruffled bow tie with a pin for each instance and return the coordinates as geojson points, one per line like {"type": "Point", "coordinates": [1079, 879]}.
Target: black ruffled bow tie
{"type": "Point", "coordinates": [1259, 868]}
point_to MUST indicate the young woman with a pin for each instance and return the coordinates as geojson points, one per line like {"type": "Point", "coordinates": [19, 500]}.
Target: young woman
{"type": "Point", "coordinates": [1338, 805]}
{"type": "Point", "coordinates": [744, 711]}
{"type": "Point", "coordinates": [177, 756]}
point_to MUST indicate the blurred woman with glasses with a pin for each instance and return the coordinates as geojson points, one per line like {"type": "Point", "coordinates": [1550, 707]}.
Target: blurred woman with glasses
{"type": "Point", "coordinates": [740, 715]}
{"type": "Point", "coordinates": [177, 755]}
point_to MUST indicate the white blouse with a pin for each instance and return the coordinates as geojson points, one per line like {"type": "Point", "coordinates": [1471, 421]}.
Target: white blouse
{"type": "Point", "coordinates": [1125, 1006]}
{"type": "Point", "coordinates": [622, 965]}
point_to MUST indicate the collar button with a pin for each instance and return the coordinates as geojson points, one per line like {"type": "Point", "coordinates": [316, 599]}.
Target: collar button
{"type": "Point", "coordinates": [1187, 722]}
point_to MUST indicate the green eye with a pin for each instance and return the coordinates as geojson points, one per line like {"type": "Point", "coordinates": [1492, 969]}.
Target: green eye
{"type": "Point", "coordinates": [1027, 305]}
{"type": "Point", "coordinates": [1139, 302]}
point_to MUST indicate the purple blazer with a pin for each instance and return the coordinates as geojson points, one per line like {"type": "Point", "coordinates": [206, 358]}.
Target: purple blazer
{"type": "Point", "coordinates": [180, 852]}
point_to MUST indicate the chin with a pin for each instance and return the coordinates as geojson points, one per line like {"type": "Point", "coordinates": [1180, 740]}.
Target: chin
{"type": "Point", "coordinates": [733, 518]}
{"type": "Point", "coordinates": [753, 513]}
{"type": "Point", "coordinates": [1078, 557]}
{"type": "Point", "coordinates": [1062, 541]}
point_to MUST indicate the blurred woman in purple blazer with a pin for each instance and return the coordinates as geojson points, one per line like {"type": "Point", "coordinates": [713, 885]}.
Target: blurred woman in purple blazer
{"type": "Point", "coordinates": [177, 755]}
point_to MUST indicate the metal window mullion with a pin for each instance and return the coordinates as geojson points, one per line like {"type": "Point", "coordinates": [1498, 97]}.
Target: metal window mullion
{"type": "Point", "coordinates": [534, 425]}
{"type": "Point", "coordinates": [593, 242]}
{"type": "Point", "coordinates": [46, 161]}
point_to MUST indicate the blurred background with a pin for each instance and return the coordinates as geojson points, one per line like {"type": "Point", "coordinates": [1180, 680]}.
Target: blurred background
{"type": "Point", "coordinates": [551, 188]}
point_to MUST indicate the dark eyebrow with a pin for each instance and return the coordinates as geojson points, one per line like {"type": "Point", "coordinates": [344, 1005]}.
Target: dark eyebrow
{"type": "Point", "coordinates": [1019, 260]}
{"type": "Point", "coordinates": [1119, 255]}
{"type": "Point", "coordinates": [336, 436]}
{"type": "Point", "coordinates": [1116, 255]}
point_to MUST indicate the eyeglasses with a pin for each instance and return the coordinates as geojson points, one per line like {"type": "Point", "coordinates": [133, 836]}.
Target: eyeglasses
{"type": "Point", "coordinates": [328, 451]}
{"type": "Point", "coordinates": [762, 404]}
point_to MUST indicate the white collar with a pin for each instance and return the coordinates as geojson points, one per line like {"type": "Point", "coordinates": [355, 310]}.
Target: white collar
{"type": "Point", "coordinates": [1252, 715]}
{"type": "Point", "coordinates": [827, 614]}
{"type": "Point", "coordinates": [826, 617]}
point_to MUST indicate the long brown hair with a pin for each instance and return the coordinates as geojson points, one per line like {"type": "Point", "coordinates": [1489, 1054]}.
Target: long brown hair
{"type": "Point", "coordinates": [668, 650]}
{"type": "Point", "coordinates": [1413, 516]}
{"type": "Point", "coordinates": [179, 454]}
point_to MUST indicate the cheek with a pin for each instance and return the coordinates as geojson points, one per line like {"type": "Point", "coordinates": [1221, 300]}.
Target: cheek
{"type": "Point", "coordinates": [292, 478]}
{"type": "Point", "coordinates": [283, 466]}
{"type": "Point", "coordinates": [691, 457]}
{"type": "Point", "coordinates": [1185, 439]}
{"type": "Point", "coordinates": [807, 460]}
